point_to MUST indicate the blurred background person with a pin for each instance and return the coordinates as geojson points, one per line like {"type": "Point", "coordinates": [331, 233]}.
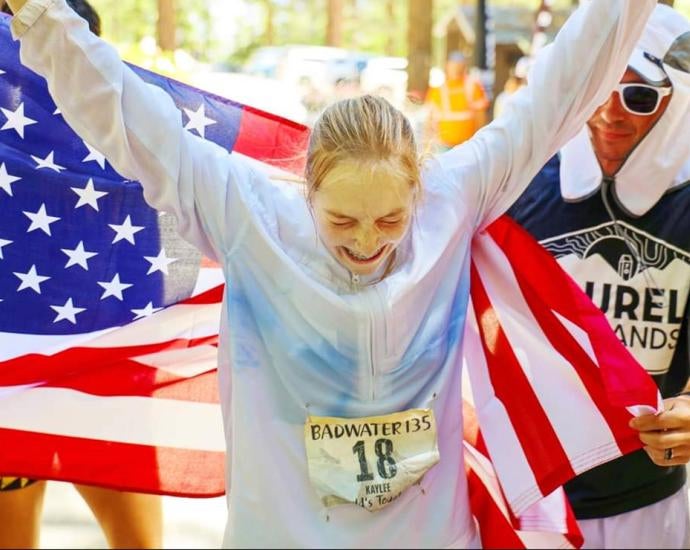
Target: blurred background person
{"type": "Point", "coordinates": [457, 108]}
{"type": "Point", "coordinates": [128, 520]}
{"type": "Point", "coordinates": [516, 80]}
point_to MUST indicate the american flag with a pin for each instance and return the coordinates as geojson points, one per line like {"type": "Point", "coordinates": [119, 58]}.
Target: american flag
{"type": "Point", "coordinates": [549, 523]}
{"type": "Point", "coordinates": [108, 320]}
{"type": "Point", "coordinates": [552, 388]}
{"type": "Point", "coordinates": [108, 334]}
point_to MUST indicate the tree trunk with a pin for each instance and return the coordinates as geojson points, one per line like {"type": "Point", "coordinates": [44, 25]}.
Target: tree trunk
{"type": "Point", "coordinates": [481, 54]}
{"type": "Point", "coordinates": [334, 23]}
{"type": "Point", "coordinates": [419, 24]}
{"type": "Point", "coordinates": [166, 25]}
{"type": "Point", "coordinates": [269, 29]}
{"type": "Point", "coordinates": [390, 16]}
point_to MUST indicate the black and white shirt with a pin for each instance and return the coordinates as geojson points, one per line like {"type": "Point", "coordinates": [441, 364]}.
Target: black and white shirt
{"type": "Point", "coordinates": [637, 271]}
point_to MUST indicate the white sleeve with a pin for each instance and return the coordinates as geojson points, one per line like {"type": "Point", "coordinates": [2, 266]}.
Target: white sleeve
{"type": "Point", "coordinates": [569, 80]}
{"type": "Point", "coordinates": [135, 125]}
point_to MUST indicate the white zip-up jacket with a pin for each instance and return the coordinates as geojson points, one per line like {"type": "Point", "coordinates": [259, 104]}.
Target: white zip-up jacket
{"type": "Point", "coordinates": [297, 336]}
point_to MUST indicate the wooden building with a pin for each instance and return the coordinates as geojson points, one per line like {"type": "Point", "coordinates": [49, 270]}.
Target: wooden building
{"type": "Point", "coordinates": [511, 31]}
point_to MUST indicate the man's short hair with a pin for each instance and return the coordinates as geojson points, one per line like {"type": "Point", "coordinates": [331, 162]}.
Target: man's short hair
{"type": "Point", "coordinates": [83, 8]}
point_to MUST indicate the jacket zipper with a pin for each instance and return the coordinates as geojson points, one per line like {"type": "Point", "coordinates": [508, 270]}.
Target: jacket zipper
{"type": "Point", "coordinates": [372, 359]}
{"type": "Point", "coordinates": [355, 284]}
{"type": "Point", "coordinates": [378, 337]}
{"type": "Point", "coordinates": [375, 309]}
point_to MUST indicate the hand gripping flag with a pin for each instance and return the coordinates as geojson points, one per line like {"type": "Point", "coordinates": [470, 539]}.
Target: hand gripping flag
{"type": "Point", "coordinates": [107, 336]}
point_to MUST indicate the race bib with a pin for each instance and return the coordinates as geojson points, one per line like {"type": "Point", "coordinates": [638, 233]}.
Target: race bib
{"type": "Point", "coordinates": [369, 461]}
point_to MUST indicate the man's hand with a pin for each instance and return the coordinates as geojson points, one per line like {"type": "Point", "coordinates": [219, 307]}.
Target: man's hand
{"type": "Point", "coordinates": [667, 435]}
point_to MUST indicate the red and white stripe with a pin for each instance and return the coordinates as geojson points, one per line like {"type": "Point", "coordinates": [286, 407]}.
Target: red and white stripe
{"type": "Point", "coordinates": [550, 523]}
{"type": "Point", "coordinates": [135, 407]}
{"type": "Point", "coordinates": [553, 387]}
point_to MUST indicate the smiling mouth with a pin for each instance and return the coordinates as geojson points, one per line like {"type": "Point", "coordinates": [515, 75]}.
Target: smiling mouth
{"type": "Point", "coordinates": [613, 134]}
{"type": "Point", "coordinates": [363, 260]}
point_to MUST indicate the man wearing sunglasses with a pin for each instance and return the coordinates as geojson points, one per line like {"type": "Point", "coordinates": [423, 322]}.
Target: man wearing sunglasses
{"type": "Point", "coordinates": [614, 208]}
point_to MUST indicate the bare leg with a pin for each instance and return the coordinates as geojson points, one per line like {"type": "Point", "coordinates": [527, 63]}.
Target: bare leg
{"type": "Point", "coordinates": [20, 516]}
{"type": "Point", "coordinates": [128, 520]}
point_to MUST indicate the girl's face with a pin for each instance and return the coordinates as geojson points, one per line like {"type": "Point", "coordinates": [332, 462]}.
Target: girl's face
{"type": "Point", "coordinates": [362, 214]}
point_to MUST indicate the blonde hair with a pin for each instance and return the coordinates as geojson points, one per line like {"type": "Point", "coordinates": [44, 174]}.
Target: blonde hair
{"type": "Point", "coordinates": [367, 129]}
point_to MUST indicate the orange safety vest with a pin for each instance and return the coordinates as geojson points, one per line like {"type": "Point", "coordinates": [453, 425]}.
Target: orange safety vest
{"type": "Point", "coordinates": [456, 104]}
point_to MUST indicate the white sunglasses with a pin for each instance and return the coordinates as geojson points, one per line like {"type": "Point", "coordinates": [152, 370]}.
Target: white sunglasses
{"type": "Point", "coordinates": [642, 99]}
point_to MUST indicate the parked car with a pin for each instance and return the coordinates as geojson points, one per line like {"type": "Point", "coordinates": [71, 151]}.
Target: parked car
{"type": "Point", "coordinates": [387, 77]}
{"type": "Point", "coordinates": [318, 71]}
{"type": "Point", "coordinates": [264, 62]}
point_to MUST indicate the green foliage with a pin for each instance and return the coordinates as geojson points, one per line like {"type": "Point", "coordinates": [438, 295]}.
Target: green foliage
{"type": "Point", "coordinates": [367, 24]}
{"type": "Point", "coordinates": [368, 27]}
{"type": "Point", "coordinates": [127, 22]}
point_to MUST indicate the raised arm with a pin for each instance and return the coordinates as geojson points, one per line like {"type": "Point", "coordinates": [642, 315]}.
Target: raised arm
{"type": "Point", "coordinates": [570, 79]}
{"type": "Point", "coordinates": [135, 125]}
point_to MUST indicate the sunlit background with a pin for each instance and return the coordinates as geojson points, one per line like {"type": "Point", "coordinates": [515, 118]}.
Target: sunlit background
{"type": "Point", "coordinates": [272, 54]}
{"type": "Point", "coordinates": [292, 57]}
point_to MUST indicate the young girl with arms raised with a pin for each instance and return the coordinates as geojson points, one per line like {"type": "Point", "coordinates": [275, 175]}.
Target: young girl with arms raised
{"type": "Point", "coordinates": [342, 323]}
